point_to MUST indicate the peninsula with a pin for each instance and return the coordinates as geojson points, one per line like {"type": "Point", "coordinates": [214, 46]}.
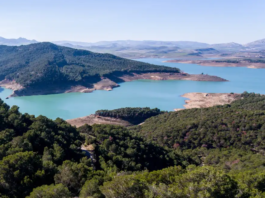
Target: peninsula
{"type": "Point", "coordinates": [45, 68]}
{"type": "Point", "coordinates": [250, 63]}
{"type": "Point", "coordinates": [205, 100]}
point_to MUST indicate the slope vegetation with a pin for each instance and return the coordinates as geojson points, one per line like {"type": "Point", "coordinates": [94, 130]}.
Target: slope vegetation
{"type": "Point", "coordinates": [239, 125]}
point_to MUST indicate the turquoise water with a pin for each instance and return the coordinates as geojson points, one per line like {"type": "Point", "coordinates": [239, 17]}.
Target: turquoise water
{"type": "Point", "coordinates": [143, 93]}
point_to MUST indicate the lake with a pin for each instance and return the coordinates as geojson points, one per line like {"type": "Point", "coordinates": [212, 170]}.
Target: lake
{"type": "Point", "coordinates": [142, 93]}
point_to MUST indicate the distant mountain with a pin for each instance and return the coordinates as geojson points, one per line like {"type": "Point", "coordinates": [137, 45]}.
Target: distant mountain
{"type": "Point", "coordinates": [228, 46]}
{"type": "Point", "coordinates": [131, 43]}
{"type": "Point", "coordinates": [129, 49]}
{"type": "Point", "coordinates": [121, 45]}
{"type": "Point", "coordinates": [73, 43]}
{"type": "Point", "coordinates": [154, 49]}
{"type": "Point", "coordinates": [139, 49]}
{"type": "Point", "coordinates": [257, 45]}
{"type": "Point", "coordinates": [16, 42]}
{"type": "Point", "coordinates": [190, 44]}
{"type": "Point", "coordinates": [148, 48]}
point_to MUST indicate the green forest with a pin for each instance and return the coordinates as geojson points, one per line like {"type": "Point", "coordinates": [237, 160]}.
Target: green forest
{"type": "Point", "coordinates": [46, 63]}
{"type": "Point", "coordinates": [132, 115]}
{"type": "Point", "coordinates": [213, 152]}
{"type": "Point", "coordinates": [239, 125]}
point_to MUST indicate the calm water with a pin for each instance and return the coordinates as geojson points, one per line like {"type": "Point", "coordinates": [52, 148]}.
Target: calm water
{"type": "Point", "coordinates": [143, 93]}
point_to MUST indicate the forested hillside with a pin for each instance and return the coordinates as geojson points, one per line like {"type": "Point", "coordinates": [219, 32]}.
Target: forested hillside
{"type": "Point", "coordinates": [36, 151]}
{"type": "Point", "coordinates": [239, 125]}
{"type": "Point", "coordinates": [48, 63]}
{"type": "Point", "coordinates": [211, 153]}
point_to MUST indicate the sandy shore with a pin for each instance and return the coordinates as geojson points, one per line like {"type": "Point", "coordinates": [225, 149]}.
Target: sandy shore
{"type": "Point", "coordinates": [8, 84]}
{"type": "Point", "coordinates": [204, 100]}
{"type": "Point", "coordinates": [104, 84]}
{"type": "Point", "coordinates": [94, 119]}
{"type": "Point", "coordinates": [213, 63]}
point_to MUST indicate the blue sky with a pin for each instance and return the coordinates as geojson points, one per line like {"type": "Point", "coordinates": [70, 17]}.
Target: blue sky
{"type": "Point", "coordinates": [211, 21]}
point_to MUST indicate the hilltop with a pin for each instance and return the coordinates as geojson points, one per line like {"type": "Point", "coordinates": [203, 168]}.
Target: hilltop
{"type": "Point", "coordinates": [45, 68]}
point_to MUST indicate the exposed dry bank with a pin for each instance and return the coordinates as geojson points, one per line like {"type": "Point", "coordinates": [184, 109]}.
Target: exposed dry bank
{"type": "Point", "coordinates": [103, 84]}
{"type": "Point", "coordinates": [204, 100]}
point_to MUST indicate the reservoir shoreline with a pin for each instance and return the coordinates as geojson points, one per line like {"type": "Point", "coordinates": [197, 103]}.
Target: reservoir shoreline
{"type": "Point", "coordinates": [104, 84]}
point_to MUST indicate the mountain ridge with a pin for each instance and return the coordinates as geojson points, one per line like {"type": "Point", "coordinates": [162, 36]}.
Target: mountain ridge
{"type": "Point", "coordinates": [230, 46]}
